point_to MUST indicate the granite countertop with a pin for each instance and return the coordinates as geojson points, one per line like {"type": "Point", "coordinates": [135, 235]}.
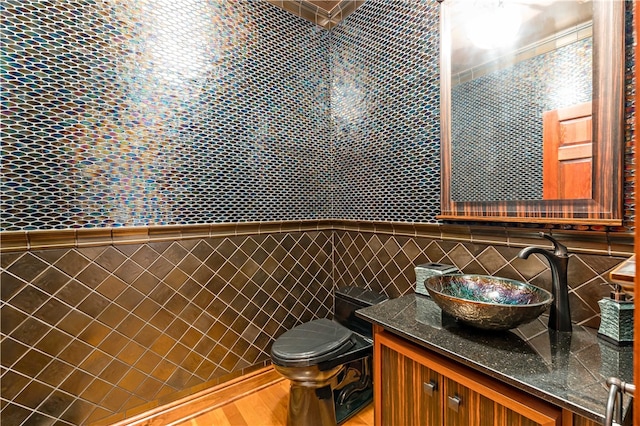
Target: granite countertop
{"type": "Point", "coordinates": [566, 369]}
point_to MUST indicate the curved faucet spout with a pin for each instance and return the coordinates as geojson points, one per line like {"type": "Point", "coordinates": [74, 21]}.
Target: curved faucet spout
{"type": "Point", "coordinates": [559, 315]}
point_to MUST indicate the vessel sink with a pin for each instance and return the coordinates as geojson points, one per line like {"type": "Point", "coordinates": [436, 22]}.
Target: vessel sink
{"type": "Point", "coordinates": [488, 302]}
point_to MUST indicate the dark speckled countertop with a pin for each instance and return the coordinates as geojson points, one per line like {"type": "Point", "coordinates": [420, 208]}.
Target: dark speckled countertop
{"type": "Point", "coordinates": [566, 369]}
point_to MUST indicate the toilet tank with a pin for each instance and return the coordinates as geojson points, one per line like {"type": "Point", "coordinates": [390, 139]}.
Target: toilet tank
{"type": "Point", "coordinates": [348, 300]}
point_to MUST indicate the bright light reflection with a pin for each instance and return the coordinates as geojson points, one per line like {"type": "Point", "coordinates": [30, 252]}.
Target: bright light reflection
{"type": "Point", "coordinates": [493, 25]}
{"type": "Point", "coordinates": [178, 46]}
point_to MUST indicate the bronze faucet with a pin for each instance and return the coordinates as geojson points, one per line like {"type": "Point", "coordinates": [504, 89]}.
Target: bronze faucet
{"type": "Point", "coordinates": [559, 315]}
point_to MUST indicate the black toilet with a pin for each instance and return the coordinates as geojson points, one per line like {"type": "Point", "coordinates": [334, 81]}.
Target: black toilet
{"type": "Point", "coordinates": [329, 362]}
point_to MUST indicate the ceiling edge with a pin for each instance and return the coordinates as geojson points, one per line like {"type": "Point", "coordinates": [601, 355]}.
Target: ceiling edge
{"type": "Point", "coordinates": [318, 15]}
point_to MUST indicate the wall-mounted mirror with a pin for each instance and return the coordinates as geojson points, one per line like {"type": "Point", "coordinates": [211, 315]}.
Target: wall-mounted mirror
{"type": "Point", "coordinates": [532, 110]}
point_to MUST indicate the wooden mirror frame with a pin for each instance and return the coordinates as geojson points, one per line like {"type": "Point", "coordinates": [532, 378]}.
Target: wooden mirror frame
{"type": "Point", "coordinates": [605, 208]}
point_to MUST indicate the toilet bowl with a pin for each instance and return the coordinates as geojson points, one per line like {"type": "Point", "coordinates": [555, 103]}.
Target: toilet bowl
{"type": "Point", "coordinates": [328, 362]}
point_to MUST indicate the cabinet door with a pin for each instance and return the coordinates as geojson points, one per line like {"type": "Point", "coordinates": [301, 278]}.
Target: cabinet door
{"type": "Point", "coordinates": [464, 407]}
{"type": "Point", "coordinates": [402, 391]}
{"type": "Point", "coordinates": [411, 392]}
{"type": "Point", "coordinates": [573, 419]}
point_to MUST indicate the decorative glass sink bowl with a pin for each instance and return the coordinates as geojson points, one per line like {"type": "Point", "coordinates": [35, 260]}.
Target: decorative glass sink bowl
{"type": "Point", "coordinates": [487, 302]}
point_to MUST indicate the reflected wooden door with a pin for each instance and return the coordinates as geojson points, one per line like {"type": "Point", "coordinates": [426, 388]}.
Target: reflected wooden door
{"type": "Point", "coordinates": [567, 153]}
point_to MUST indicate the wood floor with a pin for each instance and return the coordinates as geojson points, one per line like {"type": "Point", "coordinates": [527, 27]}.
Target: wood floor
{"type": "Point", "coordinates": [259, 398]}
{"type": "Point", "coordinates": [266, 407]}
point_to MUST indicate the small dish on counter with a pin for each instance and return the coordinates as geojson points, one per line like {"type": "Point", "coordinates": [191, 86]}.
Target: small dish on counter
{"type": "Point", "coordinates": [488, 302]}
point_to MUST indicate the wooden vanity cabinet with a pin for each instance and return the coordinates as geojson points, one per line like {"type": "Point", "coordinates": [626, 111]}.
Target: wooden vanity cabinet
{"type": "Point", "coordinates": [413, 386]}
{"type": "Point", "coordinates": [410, 391]}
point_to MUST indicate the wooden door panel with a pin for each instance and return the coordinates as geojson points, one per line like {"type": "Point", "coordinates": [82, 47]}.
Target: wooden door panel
{"type": "Point", "coordinates": [568, 153]}
{"type": "Point", "coordinates": [504, 416]}
{"type": "Point", "coordinates": [573, 419]}
{"type": "Point", "coordinates": [407, 399]}
{"type": "Point", "coordinates": [577, 175]}
{"type": "Point", "coordinates": [575, 130]}
{"type": "Point", "coordinates": [473, 409]}
{"type": "Point", "coordinates": [575, 152]}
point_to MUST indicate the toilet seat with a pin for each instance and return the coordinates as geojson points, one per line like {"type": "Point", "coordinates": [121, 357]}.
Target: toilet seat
{"type": "Point", "coordinates": [311, 343]}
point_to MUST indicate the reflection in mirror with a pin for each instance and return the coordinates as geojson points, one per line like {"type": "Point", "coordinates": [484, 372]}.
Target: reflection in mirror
{"type": "Point", "coordinates": [532, 110]}
{"type": "Point", "coordinates": [503, 84]}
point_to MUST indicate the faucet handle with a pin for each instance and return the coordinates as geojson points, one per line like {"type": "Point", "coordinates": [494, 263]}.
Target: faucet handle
{"type": "Point", "coordinates": [558, 248]}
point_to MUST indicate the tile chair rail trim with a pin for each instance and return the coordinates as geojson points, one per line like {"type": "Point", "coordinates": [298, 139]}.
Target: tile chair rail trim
{"type": "Point", "coordinates": [588, 241]}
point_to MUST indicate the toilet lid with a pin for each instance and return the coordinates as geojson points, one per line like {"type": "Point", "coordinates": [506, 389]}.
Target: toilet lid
{"type": "Point", "coordinates": [311, 343]}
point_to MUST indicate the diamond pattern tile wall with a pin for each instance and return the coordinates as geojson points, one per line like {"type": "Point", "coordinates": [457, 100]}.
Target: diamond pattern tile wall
{"type": "Point", "coordinates": [386, 263]}
{"type": "Point", "coordinates": [95, 331]}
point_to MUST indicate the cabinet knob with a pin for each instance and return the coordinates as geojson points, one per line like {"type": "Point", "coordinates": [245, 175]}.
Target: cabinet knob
{"type": "Point", "coordinates": [430, 388]}
{"type": "Point", "coordinates": [453, 402]}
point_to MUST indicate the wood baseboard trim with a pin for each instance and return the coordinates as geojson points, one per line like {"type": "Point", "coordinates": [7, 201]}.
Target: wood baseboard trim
{"type": "Point", "coordinates": [205, 400]}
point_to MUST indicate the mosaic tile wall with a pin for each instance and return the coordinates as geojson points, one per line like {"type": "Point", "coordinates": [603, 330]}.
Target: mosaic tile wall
{"type": "Point", "coordinates": [111, 132]}
{"type": "Point", "coordinates": [385, 107]}
{"type": "Point", "coordinates": [483, 170]}
{"type": "Point", "coordinates": [95, 331]}
{"type": "Point", "coordinates": [140, 113]}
